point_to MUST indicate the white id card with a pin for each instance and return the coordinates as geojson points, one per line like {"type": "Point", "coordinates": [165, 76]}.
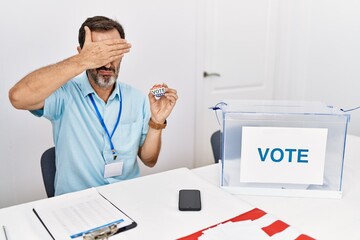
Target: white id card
{"type": "Point", "coordinates": [113, 169]}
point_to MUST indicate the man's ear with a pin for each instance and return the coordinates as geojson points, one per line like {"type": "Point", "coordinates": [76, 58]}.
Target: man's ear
{"type": "Point", "coordinates": [78, 49]}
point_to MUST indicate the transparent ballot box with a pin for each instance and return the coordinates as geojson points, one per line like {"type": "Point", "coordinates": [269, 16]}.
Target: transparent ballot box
{"type": "Point", "coordinates": [282, 148]}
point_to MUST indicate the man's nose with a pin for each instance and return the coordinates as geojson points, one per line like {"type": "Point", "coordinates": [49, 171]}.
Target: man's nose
{"type": "Point", "coordinates": [107, 65]}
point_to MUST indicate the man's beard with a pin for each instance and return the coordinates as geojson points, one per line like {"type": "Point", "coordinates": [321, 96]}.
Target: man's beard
{"type": "Point", "coordinates": [101, 80]}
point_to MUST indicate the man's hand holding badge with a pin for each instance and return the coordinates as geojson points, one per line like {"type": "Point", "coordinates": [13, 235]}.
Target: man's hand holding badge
{"type": "Point", "coordinates": [162, 101]}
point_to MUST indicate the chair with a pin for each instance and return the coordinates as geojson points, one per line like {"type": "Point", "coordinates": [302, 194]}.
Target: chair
{"type": "Point", "coordinates": [216, 145]}
{"type": "Point", "coordinates": [48, 170]}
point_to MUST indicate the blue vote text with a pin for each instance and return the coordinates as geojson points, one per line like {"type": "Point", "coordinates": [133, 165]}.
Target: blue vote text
{"type": "Point", "coordinates": [287, 154]}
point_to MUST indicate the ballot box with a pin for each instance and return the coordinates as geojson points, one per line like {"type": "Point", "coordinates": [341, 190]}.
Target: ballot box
{"type": "Point", "coordinates": [282, 148]}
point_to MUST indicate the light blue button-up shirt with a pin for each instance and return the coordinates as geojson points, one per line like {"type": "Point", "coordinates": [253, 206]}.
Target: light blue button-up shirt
{"type": "Point", "coordinates": [82, 146]}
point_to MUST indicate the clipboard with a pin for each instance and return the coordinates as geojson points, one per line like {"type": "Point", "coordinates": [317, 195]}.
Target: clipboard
{"type": "Point", "coordinates": [83, 215]}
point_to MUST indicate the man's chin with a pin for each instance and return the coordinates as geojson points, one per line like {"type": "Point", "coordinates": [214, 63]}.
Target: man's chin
{"type": "Point", "coordinates": [105, 82]}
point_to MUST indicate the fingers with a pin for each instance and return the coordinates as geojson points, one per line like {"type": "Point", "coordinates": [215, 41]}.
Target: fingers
{"type": "Point", "coordinates": [120, 50]}
{"type": "Point", "coordinates": [100, 53]}
{"type": "Point", "coordinates": [170, 91]}
{"type": "Point", "coordinates": [166, 90]}
{"type": "Point", "coordinates": [152, 98]}
{"type": "Point", "coordinates": [87, 34]}
{"type": "Point", "coordinates": [172, 98]}
{"type": "Point", "coordinates": [117, 41]}
{"type": "Point", "coordinates": [161, 107]}
{"type": "Point", "coordinates": [116, 48]}
{"type": "Point", "coordinates": [116, 55]}
{"type": "Point", "coordinates": [170, 95]}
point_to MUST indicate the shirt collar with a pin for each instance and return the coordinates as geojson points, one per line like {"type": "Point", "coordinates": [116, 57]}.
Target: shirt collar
{"type": "Point", "coordinates": [87, 89]}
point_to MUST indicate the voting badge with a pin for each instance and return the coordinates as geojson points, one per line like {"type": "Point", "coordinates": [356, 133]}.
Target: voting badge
{"type": "Point", "coordinates": [113, 169]}
{"type": "Point", "coordinates": [158, 90]}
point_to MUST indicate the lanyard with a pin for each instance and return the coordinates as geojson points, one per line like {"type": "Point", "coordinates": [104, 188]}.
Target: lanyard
{"type": "Point", "coordinates": [103, 123]}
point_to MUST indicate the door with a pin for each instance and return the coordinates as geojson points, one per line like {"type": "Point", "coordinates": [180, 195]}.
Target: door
{"type": "Point", "coordinates": [239, 61]}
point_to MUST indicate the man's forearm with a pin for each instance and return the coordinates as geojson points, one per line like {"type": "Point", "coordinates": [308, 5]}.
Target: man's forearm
{"type": "Point", "coordinates": [31, 91]}
{"type": "Point", "coordinates": [150, 150]}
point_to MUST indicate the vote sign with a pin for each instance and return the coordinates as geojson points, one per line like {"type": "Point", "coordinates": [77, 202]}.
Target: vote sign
{"type": "Point", "coordinates": [283, 155]}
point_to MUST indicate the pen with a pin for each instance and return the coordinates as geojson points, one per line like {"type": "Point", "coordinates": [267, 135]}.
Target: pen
{"type": "Point", "coordinates": [6, 237]}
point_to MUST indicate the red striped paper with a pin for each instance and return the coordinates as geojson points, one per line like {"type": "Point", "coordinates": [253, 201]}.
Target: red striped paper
{"type": "Point", "coordinates": [276, 227]}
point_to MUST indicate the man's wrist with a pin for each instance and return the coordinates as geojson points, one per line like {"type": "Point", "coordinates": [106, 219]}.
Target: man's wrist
{"type": "Point", "coordinates": [157, 126]}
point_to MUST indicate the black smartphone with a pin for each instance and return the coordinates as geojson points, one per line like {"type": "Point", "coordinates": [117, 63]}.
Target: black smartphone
{"type": "Point", "coordinates": [189, 200]}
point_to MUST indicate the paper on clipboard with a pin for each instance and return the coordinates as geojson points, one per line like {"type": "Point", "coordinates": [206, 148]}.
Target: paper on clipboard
{"type": "Point", "coordinates": [70, 216]}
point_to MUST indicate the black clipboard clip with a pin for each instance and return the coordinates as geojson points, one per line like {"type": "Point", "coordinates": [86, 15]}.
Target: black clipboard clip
{"type": "Point", "coordinates": [102, 233]}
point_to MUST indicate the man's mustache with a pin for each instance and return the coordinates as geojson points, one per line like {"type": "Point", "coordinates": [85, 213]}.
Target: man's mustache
{"type": "Point", "coordinates": [106, 69]}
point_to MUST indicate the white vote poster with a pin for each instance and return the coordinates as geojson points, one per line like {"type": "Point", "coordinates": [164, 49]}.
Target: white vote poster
{"type": "Point", "coordinates": [283, 155]}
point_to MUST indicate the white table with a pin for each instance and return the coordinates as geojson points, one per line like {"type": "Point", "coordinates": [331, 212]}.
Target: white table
{"type": "Point", "coordinates": [321, 218]}
{"type": "Point", "coordinates": [152, 201]}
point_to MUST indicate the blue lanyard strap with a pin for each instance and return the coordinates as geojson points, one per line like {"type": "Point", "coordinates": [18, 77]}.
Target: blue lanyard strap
{"type": "Point", "coordinates": [103, 123]}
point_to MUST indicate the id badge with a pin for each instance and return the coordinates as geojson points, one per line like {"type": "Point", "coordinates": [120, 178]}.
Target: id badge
{"type": "Point", "coordinates": [113, 169]}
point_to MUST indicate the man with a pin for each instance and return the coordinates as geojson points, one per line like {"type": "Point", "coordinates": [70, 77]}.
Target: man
{"type": "Point", "coordinates": [100, 125]}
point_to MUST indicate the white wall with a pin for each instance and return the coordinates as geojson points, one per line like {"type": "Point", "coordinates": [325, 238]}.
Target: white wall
{"type": "Point", "coordinates": [39, 32]}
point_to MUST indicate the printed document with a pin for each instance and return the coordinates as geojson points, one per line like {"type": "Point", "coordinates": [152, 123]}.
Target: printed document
{"type": "Point", "coordinates": [69, 216]}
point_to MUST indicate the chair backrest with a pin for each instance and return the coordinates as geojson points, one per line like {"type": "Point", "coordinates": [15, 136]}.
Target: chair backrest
{"type": "Point", "coordinates": [216, 145]}
{"type": "Point", "coordinates": [48, 170]}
